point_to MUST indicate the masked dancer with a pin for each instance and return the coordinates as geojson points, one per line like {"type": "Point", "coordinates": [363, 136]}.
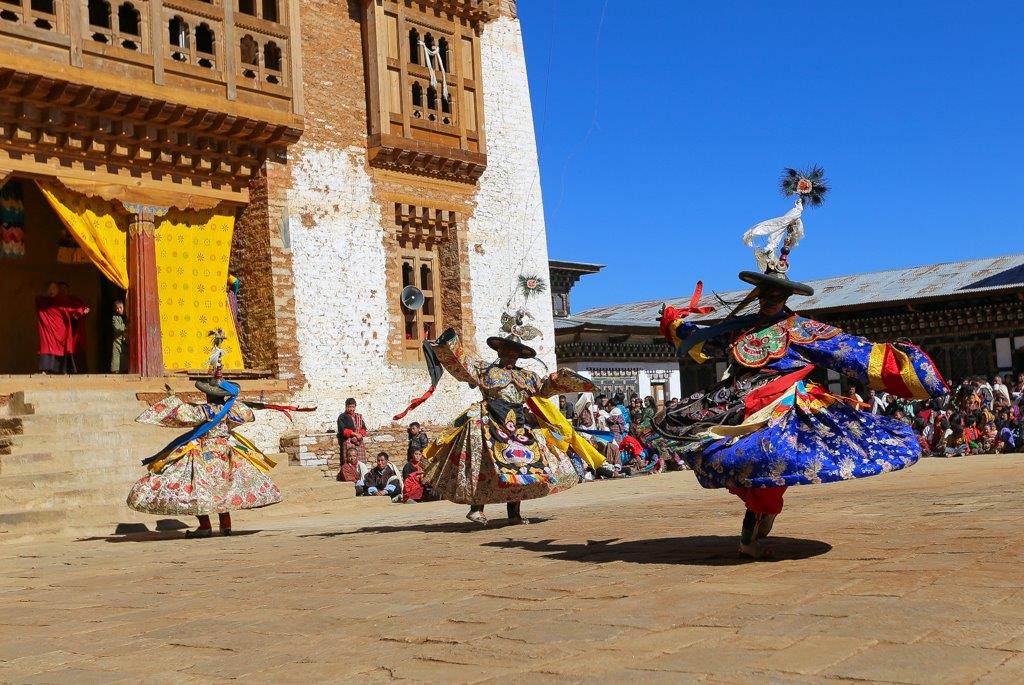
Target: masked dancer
{"type": "Point", "coordinates": [765, 426]}
{"type": "Point", "coordinates": [510, 446]}
{"type": "Point", "coordinates": [211, 469]}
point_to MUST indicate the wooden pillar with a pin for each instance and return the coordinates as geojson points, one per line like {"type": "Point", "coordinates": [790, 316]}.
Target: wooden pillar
{"type": "Point", "coordinates": [145, 343]}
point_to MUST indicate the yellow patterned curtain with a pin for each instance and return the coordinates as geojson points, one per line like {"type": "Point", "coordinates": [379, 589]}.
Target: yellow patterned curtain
{"type": "Point", "coordinates": [97, 227]}
{"type": "Point", "coordinates": [192, 253]}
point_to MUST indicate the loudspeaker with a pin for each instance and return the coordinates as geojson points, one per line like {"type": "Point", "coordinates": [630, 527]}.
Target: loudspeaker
{"type": "Point", "coordinates": [411, 298]}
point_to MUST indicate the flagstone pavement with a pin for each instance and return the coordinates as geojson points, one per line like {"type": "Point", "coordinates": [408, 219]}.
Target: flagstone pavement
{"type": "Point", "coordinates": [912, 577]}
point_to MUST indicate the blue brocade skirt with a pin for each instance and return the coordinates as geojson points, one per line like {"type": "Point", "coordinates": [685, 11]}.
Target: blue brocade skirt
{"type": "Point", "coordinates": [810, 437]}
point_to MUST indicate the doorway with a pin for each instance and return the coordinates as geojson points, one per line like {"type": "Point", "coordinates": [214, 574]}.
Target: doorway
{"type": "Point", "coordinates": [47, 252]}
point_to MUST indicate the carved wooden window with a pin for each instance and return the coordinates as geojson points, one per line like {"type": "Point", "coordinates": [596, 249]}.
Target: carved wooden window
{"type": "Point", "coordinates": [421, 268]}
{"type": "Point", "coordinates": [427, 241]}
{"type": "Point", "coordinates": [47, 15]}
{"type": "Point", "coordinates": [423, 68]}
{"type": "Point", "coordinates": [261, 61]}
{"type": "Point", "coordinates": [120, 25]}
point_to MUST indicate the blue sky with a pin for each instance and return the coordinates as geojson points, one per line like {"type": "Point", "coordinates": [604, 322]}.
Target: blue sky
{"type": "Point", "coordinates": [661, 144]}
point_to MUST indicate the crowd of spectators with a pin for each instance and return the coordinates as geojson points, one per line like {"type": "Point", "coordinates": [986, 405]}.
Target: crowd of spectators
{"type": "Point", "coordinates": [979, 416]}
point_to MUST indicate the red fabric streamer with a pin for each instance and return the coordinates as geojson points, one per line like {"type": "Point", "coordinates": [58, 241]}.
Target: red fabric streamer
{"type": "Point", "coordinates": [415, 403]}
{"type": "Point", "coordinates": [285, 409]}
{"type": "Point", "coordinates": [695, 300]}
{"type": "Point", "coordinates": [672, 314]}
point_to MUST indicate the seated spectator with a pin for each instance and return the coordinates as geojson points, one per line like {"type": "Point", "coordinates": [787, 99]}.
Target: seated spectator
{"type": "Point", "coordinates": [971, 434]}
{"type": "Point", "coordinates": [1006, 441]}
{"type": "Point", "coordinates": [988, 438]}
{"type": "Point", "coordinates": [383, 480]}
{"type": "Point", "coordinates": [618, 418]}
{"type": "Point", "coordinates": [602, 411]}
{"type": "Point", "coordinates": [940, 433]}
{"type": "Point", "coordinates": [584, 409]}
{"type": "Point", "coordinates": [418, 439]}
{"type": "Point", "coordinates": [412, 477]}
{"type": "Point", "coordinates": [353, 471]}
{"type": "Point", "coordinates": [567, 408]}
{"type": "Point", "coordinates": [919, 427]}
{"type": "Point", "coordinates": [956, 445]}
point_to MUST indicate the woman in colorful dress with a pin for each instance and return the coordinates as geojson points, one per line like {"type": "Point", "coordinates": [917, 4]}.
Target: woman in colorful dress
{"type": "Point", "coordinates": [765, 427]}
{"type": "Point", "coordinates": [500, 450]}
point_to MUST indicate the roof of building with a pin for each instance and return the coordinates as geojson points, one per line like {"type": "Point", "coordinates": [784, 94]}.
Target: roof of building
{"type": "Point", "coordinates": [584, 267]}
{"type": "Point", "coordinates": [871, 289]}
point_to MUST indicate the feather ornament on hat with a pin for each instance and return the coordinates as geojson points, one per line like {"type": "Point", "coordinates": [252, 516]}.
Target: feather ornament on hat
{"type": "Point", "coordinates": [785, 232]}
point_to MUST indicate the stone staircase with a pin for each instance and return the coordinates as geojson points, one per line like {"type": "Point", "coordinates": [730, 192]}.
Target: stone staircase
{"type": "Point", "coordinates": [69, 456]}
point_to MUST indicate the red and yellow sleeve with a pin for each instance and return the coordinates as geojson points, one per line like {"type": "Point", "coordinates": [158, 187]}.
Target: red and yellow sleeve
{"type": "Point", "coordinates": [890, 369]}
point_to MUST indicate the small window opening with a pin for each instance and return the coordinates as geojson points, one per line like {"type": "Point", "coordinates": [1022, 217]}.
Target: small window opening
{"type": "Point", "coordinates": [270, 10]}
{"type": "Point", "coordinates": [414, 46]}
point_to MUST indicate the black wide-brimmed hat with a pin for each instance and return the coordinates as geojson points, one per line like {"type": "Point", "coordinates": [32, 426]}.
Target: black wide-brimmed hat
{"type": "Point", "coordinates": [213, 389]}
{"type": "Point", "coordinates": [775, 279]}
{"type": "Point", "coordinates": [497, 343]}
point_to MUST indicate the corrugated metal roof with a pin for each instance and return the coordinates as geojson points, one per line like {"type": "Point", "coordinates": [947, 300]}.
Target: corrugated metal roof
{"type": "Point", "coordinates": [878, 287]}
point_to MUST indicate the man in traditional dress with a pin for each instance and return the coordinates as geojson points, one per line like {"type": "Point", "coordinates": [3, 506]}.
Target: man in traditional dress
{"type": "Point", "coordinates": [79, 331]}
{"type": "Point", "coordinates": [351, 432]}
{"type": "Point", "coordinates": [56, 317]}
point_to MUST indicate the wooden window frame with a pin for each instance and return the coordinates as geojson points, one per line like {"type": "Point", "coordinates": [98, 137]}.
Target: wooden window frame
{"type": "Point", "coordinates": [424, 236]}
{"type": "Point", "coordinates": [427, 322]}
{"type": "Point", "coordinates": [452, 149]}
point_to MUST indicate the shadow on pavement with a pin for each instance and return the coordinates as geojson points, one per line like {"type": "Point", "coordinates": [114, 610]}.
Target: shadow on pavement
{"type": "Point", "coordinates": [695, 550]}
{"type": "Point", "coordinates": [446, 527]}
{"type": "Point", "coordinates": [158, 536]}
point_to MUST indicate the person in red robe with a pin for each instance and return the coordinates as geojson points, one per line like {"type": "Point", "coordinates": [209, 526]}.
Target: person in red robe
{"type": "Point", "coordinates": [73, 304]}
{"type": "Point", "coordinates": [55, 316]}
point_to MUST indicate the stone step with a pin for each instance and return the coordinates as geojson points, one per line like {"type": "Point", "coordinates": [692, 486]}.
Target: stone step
{"type": "Point", "coordinates": [77, 459]}
{"type": "Point", "coordinates": [61, 490]}
{"type": "Point", "coordinates": [17, 523]}
{"type": "Point", "coordinates": [89, 408]}
{"type": "Point", "coordinates": [50, 398]}
{"type": "Point", "coordinates": [57, 443]}
{"type": "Point", "coordinates": [32, 462]}
{"type": "Point", "coordinates": [45, 424]}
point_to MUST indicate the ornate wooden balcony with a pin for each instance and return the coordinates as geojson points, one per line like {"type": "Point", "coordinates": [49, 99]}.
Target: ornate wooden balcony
{"type": "Point", "coordinates": [187, 92]}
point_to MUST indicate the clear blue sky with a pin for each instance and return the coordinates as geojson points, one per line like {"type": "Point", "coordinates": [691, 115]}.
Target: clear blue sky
{"type": "Point", "coordinates": [659, 148]}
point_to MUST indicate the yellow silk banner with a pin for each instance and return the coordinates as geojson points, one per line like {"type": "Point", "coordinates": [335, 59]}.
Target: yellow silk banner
{"type": "Point", "coordinates": [98, 229]}
{"type": "Point", "coordinates": [192, 254]}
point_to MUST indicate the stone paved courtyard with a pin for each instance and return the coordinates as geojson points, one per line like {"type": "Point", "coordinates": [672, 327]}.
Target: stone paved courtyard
{"type": "Point", "coordinates": [912, 577]}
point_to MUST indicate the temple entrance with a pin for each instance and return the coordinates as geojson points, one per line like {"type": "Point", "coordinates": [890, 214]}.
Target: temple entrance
{"type": "Point", "coordinates": [37, 249]}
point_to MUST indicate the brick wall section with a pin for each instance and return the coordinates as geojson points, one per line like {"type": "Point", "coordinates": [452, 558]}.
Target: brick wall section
{"type": "Point", "coordinates": [250, 254]}
{"type": "Point", "coordinates": [289, 366]}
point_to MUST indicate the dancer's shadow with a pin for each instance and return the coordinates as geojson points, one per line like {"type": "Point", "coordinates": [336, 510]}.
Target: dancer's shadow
{"type": "Point", "coordinates": [166, 529]}
{"type": "Point", "coordinates": [446, 527]}
{"type": "Point", "coordinates": [694, 550]}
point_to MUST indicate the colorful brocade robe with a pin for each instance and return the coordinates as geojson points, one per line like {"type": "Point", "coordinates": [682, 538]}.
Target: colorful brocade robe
{"type": "Point", "coordinates": [506, 447]}
{"type": "Point", "coordinates": [218, 472]}
{"type": "Point", "coordinates": [766, 425]}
